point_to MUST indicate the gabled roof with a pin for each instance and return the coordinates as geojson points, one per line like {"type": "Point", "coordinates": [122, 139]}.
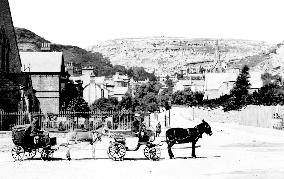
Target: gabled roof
{"type": "Point", "coordinates": [41, 61]}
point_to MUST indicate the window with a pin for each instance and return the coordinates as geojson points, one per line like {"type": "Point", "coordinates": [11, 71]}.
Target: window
{"type": "Point", "coordinates": [102, 93]}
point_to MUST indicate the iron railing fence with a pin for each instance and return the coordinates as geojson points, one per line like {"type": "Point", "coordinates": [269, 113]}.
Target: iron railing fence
{"type": "Point", "coordinates": [67, 120]}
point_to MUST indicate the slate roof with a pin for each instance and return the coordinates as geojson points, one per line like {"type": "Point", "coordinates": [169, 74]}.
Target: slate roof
{"type": "Point", "coordinates": [41, 61]}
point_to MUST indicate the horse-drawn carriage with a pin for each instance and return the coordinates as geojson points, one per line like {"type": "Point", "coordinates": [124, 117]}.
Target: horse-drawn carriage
{"type": "Point", "coordinates": [118, 148]}
{"type": "Point", "coordinates": [28, 145]}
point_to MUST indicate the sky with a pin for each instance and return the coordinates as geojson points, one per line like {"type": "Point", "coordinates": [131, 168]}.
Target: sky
{"type": "Point", "coordinates": [89, 22]}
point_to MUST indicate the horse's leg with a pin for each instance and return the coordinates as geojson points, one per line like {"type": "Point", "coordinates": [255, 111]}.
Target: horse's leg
{"type": "Point", "coordinates": [193, 150]}
{"type": "Point", "coordinates": [68, 155]}
{"type": "Point", "coordinates": [170, 144]}
{"type": "Point", "coordinates": [93, 149]}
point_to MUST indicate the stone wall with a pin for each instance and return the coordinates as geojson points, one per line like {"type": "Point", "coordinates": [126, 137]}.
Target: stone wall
{"type": "Point", "coordinates": [47, 91]}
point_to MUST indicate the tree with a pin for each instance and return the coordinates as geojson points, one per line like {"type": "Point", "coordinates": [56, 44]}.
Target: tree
{"type": "Point", "coordinates": [187, 97]}
{"type": "Point", "coordinates": [105, 104]}
{"type": "Point", "coordinates": [127, 102]}
{"type": "Point", "coordinates": [146, 97]}
{"type": "Point", "coordinates": [69, 92]}
{"type": "Point", "coordinates": [78, 105]}
{"type": "Point", "coordinates": [267, 78]}
{"type": "Point", "coordinates": [169, 82]}
{"type": "Point", "coordinates": [239, 93]}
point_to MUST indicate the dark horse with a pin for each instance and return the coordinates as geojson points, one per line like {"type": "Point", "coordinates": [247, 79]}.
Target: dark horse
{"type": "Point", "coordinates": [186, 135]}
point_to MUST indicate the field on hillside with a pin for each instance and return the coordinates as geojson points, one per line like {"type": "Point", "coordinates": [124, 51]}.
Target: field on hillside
{"type": "Point", "coordinates": [233, 151]}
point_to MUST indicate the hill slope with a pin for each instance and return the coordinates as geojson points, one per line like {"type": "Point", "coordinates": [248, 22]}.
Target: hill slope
{"type": "Point", "coordinates": [164, 54]}
{"type": "Point", "coordinates": [29, 41]}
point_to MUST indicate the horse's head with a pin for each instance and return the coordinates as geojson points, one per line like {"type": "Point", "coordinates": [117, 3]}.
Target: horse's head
{"type": "Point", "coordinates": [206, 127]}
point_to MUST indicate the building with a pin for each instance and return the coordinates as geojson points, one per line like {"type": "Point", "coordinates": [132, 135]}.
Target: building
{"type": "Point", "coordinates": [48, 76]}
{"type": "Point", "coordinates": [16, 93]}
{"type": "Point", "coordinates": [95, 88]}
{"type": "Point", "coordinates": [73, 69]}
{"type": "Point", "coordinates": [218, 84]}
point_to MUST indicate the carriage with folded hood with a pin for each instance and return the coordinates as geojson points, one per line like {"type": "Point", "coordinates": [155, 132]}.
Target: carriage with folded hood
{"type": "Point", "coordinates": [27, 144]}
{"type": "Point", "coordinates": [146, 136]}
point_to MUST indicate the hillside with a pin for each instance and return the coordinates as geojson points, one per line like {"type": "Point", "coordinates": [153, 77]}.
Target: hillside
{"type": "Point", "coordinates": [29, 41]}
{"type": "Point", "coordinates": [164, 54]}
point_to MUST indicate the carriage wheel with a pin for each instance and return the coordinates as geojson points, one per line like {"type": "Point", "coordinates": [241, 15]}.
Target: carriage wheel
{"type": "Point", "coordinates": [116, 151]}
{"type": "Point", "coordinates": [154, 153]}
{"type": "Point", "coordinates": [146, 152]}
{"type": "Point", "coordinates": [30, 153]}
{"type": "Point", "coordinates": [46, 154]}
{"type": "Point", "coordinates": [18, 153]}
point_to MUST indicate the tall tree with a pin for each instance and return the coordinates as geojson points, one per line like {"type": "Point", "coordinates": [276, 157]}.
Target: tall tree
{"type": "Point", "coordinates": [146, 97]}
{"type": "Point", "coordinates": [240, 92]}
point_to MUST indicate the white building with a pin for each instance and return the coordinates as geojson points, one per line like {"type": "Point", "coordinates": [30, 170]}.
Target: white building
{"type": "Point", "coordinates": [218, 84]}
{"type": "Point", "coordinates": [95, 88]}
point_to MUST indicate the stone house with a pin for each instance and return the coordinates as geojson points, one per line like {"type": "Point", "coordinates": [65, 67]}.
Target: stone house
{"type": "Point", "coordinates": [48, 77]}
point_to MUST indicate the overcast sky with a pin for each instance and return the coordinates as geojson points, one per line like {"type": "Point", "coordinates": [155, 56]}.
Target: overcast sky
{"type": "Point", "coordinates": [88, 22]}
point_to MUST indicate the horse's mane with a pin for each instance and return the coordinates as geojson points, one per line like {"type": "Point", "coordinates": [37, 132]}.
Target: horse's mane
{"type": "Point", "coordinates": [199, 125]}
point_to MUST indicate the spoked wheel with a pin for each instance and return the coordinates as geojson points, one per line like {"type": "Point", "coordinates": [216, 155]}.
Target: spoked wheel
{"type": "Point", "coordinates": [154, 153]}
{"type": "Point", "coordinates": [146, 152]}
{"type": "Point", "coordinates": [18, 153]}
{"type": "Point", "coordinates": [30, 153]}
{"type": "Point", "coordinates": [116, 151]}
{"type": "Point", "coordinates": [46, 154]}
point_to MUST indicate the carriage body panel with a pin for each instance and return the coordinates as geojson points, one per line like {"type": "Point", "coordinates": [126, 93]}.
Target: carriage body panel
{"type": "Point", "coordinates": [25, 143]}
{"type": "Point", "coordinates": [118, 148]}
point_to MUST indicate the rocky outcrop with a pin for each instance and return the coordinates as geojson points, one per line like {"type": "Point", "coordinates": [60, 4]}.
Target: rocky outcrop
{"type": "Point", "coordinates": [171, 54]}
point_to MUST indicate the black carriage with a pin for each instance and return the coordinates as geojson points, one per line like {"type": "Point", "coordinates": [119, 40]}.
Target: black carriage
{"type": "Point", "coordinates": [27, 145]}
{"type": "Point", "coordinates": [117, 149]}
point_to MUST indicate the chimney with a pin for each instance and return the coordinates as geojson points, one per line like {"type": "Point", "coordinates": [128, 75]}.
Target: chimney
{"type": "Point", "coordinates": [45, 47]}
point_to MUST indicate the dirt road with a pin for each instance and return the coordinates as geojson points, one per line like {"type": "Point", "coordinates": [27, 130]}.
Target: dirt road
{"type": "Point", "coordinates": [233, 151]}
